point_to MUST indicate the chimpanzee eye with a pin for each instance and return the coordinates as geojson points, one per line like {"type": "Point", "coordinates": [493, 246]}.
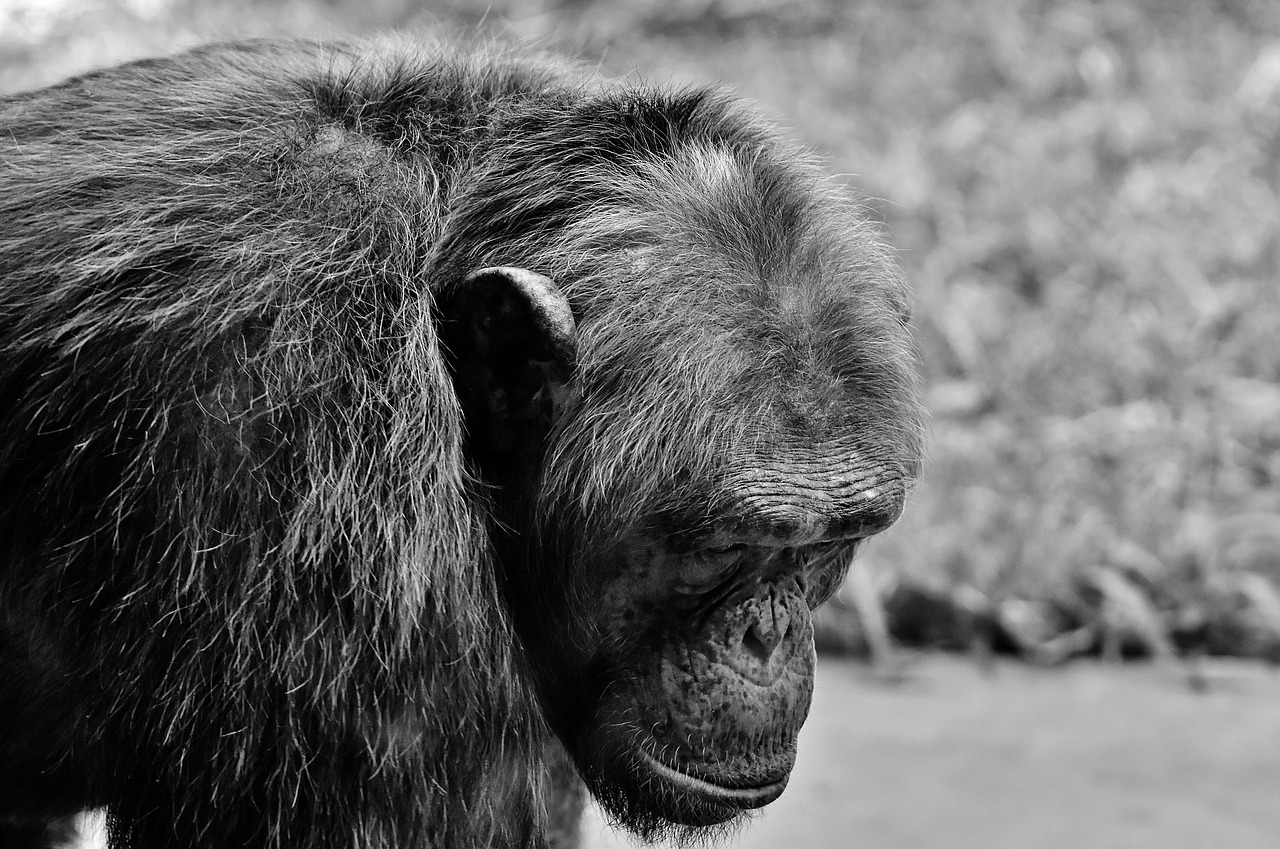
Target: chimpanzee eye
{"type": "Point", "coordinates": [722, 558]}
{"type": "Point", "coordinates": [707, 565]}
{"type": "Point", "coordinates": [831, 551]}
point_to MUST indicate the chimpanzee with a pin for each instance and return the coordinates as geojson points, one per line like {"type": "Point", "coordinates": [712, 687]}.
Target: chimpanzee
{"type": "Point", "coordinates": [379, 422]}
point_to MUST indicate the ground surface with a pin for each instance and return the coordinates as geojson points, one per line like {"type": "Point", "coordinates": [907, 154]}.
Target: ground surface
{"type": "Point", "coordinates": [1090, 757]}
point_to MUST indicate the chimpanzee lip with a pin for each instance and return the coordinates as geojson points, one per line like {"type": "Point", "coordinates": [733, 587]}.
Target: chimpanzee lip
{"type": "Point", "coordinates": [740, 797]}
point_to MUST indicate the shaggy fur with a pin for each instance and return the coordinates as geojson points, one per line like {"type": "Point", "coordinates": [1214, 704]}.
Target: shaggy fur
{"type": "Point", "coordinates": [248, 574]}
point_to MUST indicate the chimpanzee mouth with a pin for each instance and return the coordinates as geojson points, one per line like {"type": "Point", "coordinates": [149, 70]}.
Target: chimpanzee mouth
{"type": "Point", "coordinates": [741, 798]}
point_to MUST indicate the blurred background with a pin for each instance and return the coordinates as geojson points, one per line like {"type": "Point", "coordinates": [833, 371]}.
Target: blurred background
{"type": "Point", "coordinates": [1070, 639]}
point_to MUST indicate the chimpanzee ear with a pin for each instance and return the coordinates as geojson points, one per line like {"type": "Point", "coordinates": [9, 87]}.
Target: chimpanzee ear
{"type": "Point", "coordinates": [509, 337]}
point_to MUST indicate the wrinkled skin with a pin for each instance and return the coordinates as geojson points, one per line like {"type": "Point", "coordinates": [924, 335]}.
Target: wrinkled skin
{"type": "Point", "coordinates": [699, 715]}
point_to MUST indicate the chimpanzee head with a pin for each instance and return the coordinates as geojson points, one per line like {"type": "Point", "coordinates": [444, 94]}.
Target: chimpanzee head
{"type": "Point", "coordinates": [695, 402]}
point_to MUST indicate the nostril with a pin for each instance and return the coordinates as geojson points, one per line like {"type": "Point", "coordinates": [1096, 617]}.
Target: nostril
{"type": "Point", "coordinates": [766, 638]}
{"type": "Point", "coordinates": [756, 647]}
{"type": "Point", "coordinates": [768, 627]}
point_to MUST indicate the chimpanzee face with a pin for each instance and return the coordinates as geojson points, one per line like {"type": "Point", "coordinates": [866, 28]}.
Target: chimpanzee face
{"type": "Point", "coordinates": [715, 434]}
{"type": "Point", "coordinates": [694, 665]}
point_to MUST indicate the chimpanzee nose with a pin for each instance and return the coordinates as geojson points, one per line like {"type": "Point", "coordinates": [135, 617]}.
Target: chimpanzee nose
{"type": "Point", "coordinates": [770, 627]}
{"type": "Point", "coordinates": [767, 630]}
